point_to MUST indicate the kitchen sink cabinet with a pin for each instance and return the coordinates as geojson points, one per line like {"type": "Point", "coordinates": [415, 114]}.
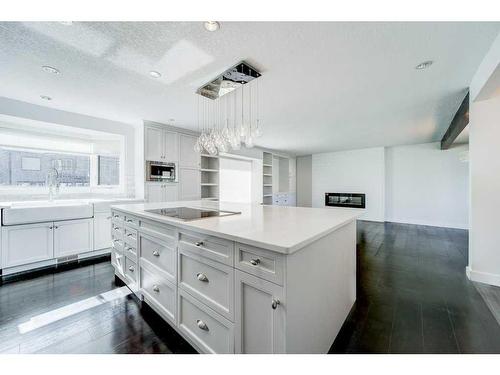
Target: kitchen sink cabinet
{"type": "Point", "coordinates": [72, 237]}
{"type": "Point", "coordinates": [29, 243]}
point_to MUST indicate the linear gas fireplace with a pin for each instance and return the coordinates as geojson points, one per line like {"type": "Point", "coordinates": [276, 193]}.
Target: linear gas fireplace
{"type": "Point", "coordinates": [353, 200]}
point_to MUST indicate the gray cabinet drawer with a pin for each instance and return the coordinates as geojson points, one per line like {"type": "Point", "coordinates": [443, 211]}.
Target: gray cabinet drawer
{"type": "Point", "coordinates": [211, 332]}
{"type": "Point", "coordinates": [161, 254]}
{"type": "Point", "coordinates": [214, 248]}
{"type": "Point", "coordinates": [131, 270]}
{"type": "Point", "coordinates": [210, 282]}
{"type": "Point", "coordinates": [262, 263]}
{"type": "Point", "coordinates": [116, 231]}
{"type": "Point", "coordinates": [130, 252]}
{"type": "Point", "coordinates": [160, 292]}
{"type": "Point", "coordinates": [117, 218]}
{"type": "Point", "coordinates": [130, 236]}
{"type": "Point", "coordinates": [131, 221]}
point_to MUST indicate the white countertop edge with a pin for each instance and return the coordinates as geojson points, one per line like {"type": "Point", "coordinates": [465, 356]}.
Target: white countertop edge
{"type": "Point", "coordinates": [246, 241]}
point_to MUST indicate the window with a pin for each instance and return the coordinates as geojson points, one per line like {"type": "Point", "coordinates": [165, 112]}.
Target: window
{"type": "Point", "coordinates": [29, 168]}
{"type": "Point", "coordinates": [86, 161]}
{"type": "Point", "coordinates": [108, 170]}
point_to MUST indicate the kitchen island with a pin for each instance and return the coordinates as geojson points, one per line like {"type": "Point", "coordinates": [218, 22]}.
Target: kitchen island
{"type": "Point", "coordinates": [268, 279]}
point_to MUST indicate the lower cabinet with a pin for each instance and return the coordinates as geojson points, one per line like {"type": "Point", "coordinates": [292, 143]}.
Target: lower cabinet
{"type": "Point", "coordinates": [28, 243]}
{"type": "Point", "coordinates": [72, 237]}
{"type": "Point", "coordinates": [211, 332]}
{"type": "Point", "coordinates": [259, 315]}
{"type": "Point", "coordinates": [216, 306]}
{"type": "Point", "coordinates": [158, 192]}
{"type": "Point", "coordinates": [102, 230]}
{"type": "Point", "coordinates": [160, 292]}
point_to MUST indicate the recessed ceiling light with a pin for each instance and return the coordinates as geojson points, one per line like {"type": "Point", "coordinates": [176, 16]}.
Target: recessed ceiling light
{"type": "Point", "coordinates": [50, 69]}
{"type": "Point", "coordinates": [45, 97]}
{"type": "Point", "coordinates": [212, 25]}
{"type": "Point", "coordinates": [424, 65]}
{"type": "Point", "coordinates": [171, 119]}
{"type": "Point", "coordinates": [66, 23]}
{"type": "Point", "coordinates": [155, 74]}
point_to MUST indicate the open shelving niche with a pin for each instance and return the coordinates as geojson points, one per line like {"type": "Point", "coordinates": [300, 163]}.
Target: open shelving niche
{"type": "Point", "coordinates": [209, 177]}
{"type": "Point", "coordinates": [267, 178]}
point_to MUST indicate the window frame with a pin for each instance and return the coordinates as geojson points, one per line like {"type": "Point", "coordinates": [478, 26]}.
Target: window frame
{"type": "Point", "coordinates": [93, 188]}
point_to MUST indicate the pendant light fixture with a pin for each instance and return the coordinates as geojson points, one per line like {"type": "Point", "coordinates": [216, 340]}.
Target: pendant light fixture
{"type": "Point", "coordinates": [217, 111]}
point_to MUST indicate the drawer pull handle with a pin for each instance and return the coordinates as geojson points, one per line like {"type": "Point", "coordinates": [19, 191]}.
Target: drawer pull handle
{"type": "Point", "coordinates": [199, 243]}
{"type": "Point", "coordinates": [130, 234]}
{"type": "Point", "coordinates": [131, 249]}
{"type": "Point", "coordinates": [156, 288]}
{"type": "Point", "coordinates": [254, 262]}
{"type": "Point", "coordinates": [116, 216]}
{"type": "Point", "coordinates": [275, 303]}
{"type": "Point", "coordinates": [131, 269]}
{"type": "Point", "coordinates": [115, 241]}
{"type": "Point", "coordinates": [202, 277]}
{"type": "Point", "coordinates": [130, 221]}
{"type": "Point", "coordinates": [202, 325]}
{"type": "Point", "coordinates": [109, 217]}
{"type": "Point", "coordinates": [156, 253]}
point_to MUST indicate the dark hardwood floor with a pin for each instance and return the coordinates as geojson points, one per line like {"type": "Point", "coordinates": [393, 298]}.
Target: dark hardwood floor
{"type": "Point", "coordinates": [413, 297]}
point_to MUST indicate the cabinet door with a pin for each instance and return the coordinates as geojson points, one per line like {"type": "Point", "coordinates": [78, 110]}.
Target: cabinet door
{"type": "Point", "coordinates": [171, 146]}
{"type": "Point", "coordinates": [102, 230]}
{"type": "Point", "coordinates": [23, 244]}
{"type": "Point", "coordinates": [259, 328]}
{"type": "Point", "coordinates": [171, 193]}
{"type": "Point", "coordinates": [189, 184]}
{"type": "Point", "coordinates": [154, 192]}
{"type": "Point", "coordinates": [154, 144]}
{"type": "Point", "coordinates": [188, 157]}
{"type": "Point", "coordinates": [72, 237]}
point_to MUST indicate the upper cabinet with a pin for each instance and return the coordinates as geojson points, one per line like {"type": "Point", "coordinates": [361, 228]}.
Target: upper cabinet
{"type": "Point", "coordinates": [161, 145]}
{"type": "Point", "coordinates": [171, 146]}
{"type": "Point", "coordinates": [153, 144]}
{"type": "Point", "coordinates": [188, 157]}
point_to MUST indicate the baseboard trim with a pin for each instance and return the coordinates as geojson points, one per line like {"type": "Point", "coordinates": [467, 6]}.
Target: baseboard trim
{"type": "Point", "coordinates": [53, 268]}
{"type": "Point", "coordinates": [427, 224]}
{"type": "Point", "coordinates": [482, 277]}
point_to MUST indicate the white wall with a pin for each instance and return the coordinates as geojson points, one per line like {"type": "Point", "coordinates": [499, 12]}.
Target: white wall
{"type": "Point", "coordinates": [304, 181]}
{"type": "Point", "coordinates": [356, 171]}
{"type": "Point", "coordinates": [427, 185]}
{"type": "Point", "coordinates": [484, 235]}
{"type": "Point", "coordinates": [240, 180]}
{"type": "Point", "coordinates": [134, 179]}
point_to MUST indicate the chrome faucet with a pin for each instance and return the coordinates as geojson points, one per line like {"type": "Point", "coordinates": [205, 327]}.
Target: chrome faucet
{"type": "Point", "coordinates": [52, 182]}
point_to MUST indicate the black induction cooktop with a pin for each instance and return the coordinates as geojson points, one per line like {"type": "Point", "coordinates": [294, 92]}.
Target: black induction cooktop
{"type": "Point", "coordinates": [188, 213]}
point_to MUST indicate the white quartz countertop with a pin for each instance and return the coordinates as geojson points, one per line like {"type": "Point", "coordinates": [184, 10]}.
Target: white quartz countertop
{"type": "Point", "coordinates": [276, 228]}
{"type": "Point", "coordinates": [62, 202]}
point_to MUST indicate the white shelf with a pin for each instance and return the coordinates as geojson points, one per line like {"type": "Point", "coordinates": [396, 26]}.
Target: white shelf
{"type": "Point", "coordinates": [210, 199]}
{"type": "Point", "coordinates": [267, 195]}
{"type": "Point", "coordinates": [209, 156]}
{"type": "Point", "coordinates": [209, 184]}
{"type": "Point", "coordinates": [267, 165]}
{"type": "Point", "coordinates": [209, 170]}
{"type": "Point", "coordinates": [268, 185]}
{"type": "Point", "coordinates": [267, 175]}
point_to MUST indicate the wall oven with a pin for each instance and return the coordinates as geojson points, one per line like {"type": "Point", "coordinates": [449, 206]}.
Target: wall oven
{"type": "Point", "coordinates": [161, 171]}
{"type": "Point", "coordinates": [352, 200]}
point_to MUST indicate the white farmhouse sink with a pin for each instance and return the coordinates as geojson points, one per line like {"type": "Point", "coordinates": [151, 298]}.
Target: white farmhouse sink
{"type": "Point", "coordinates": [43, 211]}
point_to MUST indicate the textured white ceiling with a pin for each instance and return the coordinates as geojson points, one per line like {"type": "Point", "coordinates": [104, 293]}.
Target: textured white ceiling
{"type": "Point", "coordinates": [325, 86]}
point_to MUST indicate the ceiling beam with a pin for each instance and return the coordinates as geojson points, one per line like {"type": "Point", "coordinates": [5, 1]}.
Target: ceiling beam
{"type": "Point", "coordinates": [459, 122]}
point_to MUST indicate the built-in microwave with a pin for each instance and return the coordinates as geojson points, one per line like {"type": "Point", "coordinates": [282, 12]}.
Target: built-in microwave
{"type": "Point", "coordinates": [161, 171]}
